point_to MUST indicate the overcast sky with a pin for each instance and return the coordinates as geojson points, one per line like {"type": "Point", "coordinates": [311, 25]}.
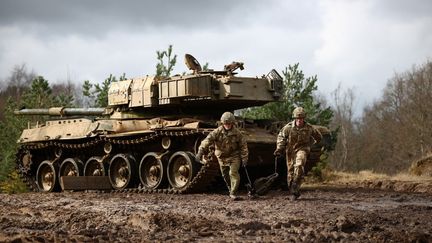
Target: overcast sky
{"type": "Point", "coordinates": [359, 44]}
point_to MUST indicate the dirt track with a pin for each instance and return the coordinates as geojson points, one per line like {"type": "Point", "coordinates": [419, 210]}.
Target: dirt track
{"type": "Point", "coordinates": [322, 214]}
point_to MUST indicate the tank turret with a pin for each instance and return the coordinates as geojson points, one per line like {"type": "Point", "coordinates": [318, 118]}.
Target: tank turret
{"type": "Point", "coordinates": [193, 94]}
{"type": "Point", "coordinates": [189, 94]}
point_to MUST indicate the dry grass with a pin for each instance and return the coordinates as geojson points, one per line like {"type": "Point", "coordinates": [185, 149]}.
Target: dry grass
{"type": "Point", "coordinates": [335, 176]}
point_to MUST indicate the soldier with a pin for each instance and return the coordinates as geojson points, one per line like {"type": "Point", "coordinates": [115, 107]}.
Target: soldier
{"type": "Point", "coordinates": [230, 149]}
{"type": "Point", "coordinates": [296, 138]}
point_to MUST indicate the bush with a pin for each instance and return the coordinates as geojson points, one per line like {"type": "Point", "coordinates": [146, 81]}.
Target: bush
{"type": "Point", "coordinates": [13, 184]}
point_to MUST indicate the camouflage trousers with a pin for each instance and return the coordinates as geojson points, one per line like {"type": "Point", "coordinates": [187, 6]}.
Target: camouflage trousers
{"type": "Point", "coordinates": [295, 164]}
{"type": "Point", "coordinates": [231, 176]}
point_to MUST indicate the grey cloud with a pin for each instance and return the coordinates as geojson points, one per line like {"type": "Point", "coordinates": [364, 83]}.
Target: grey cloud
{"type": "Point", "coordinates": [95, 17]}
{"type": "Point", "coordinates": [402, 9]}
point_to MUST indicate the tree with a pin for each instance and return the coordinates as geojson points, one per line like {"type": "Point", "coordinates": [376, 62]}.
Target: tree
{"type": "Point", "coordinates": [393, 131]}
{"type": "Point", "coordinates": [38, 95]}
{"type": "Point", "coordinates": [396, 129]}
{"type": "Point", "coordinates": [164, 69]}
{"type": "Point", "coordinates": [19, 80]}
{"type": "Point", "coordinates": [64, 94]}
{"type": "Point", "coordinates": [297, 91]}
{"type": "Point", "coordinates": [343, 122]}
{"type": "Point", "coordinates": [97, 94]}
{"type": "Point", "coordinates": [15, 85]}
{"type": "Point", "coordinates": [88, 94]}
{"type": "Point", "coordinates": [10, 129]}
{"type": "Point", "coordinates": [205, 67]}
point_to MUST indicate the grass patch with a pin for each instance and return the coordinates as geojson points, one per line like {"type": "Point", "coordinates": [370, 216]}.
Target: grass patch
{"type": "Point", "coordinates": [12, 184]}
{"type": "Point", "coordinates": [343, 177]}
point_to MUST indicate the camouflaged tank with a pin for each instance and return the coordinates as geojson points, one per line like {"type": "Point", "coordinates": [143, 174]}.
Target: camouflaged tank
{"type": "Point", "coordinates": [145, 140]}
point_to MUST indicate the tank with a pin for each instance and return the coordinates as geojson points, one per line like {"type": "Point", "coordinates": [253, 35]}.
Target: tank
{"type": "Point", "coordinates": [147, 137]}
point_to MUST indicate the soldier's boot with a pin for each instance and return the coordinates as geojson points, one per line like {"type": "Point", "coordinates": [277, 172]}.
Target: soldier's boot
{"type": "Point", "coordinates": [290, 182]}
{"type": "Point", "coordinates": [234, 197]}
{"type": "Point", "coordinates": [228, 185]}
{"type": "Point", "coordinates": [226, 177]}
{"type": "Point", "coordinates": [295, 191]}
{"type": "Point", "coordinates": [283, 186]}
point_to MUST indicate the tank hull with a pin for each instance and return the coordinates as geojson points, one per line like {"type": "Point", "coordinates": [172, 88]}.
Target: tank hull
{"type": "Point", "coordinates": [129, 152]}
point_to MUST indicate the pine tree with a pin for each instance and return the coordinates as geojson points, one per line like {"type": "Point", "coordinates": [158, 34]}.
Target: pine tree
{"type": "Point", "coordinates": [97, 94]}
{"type": "Point", "coordinates": [297, 91]}
{"type": "Point", "coordinates": [162, 69]}
{"type": "Point", "coordinates": [10, 129]}
{"type": "Point", "coordinates": [39, 95]}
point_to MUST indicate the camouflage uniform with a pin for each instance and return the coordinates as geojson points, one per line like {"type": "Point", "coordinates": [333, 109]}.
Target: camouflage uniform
{"type": "Point", "coordinates": [231, 150]}
{"type": "Point", "coordinates": [297, 143]}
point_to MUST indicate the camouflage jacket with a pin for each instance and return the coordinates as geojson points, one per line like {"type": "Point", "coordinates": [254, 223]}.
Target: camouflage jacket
{"type": "Point", "coordinates": [294, 138]}
{"type": "Point", "coordinates": [230, 145]}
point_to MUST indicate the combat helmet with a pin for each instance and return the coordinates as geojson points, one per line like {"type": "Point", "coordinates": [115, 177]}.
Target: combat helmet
{"type": "Point", "coordinates": [299, 112]}
{"type": "Point", "coordinates": [227, 117]}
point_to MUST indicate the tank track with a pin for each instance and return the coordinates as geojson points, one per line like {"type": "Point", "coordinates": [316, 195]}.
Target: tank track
{"type": "Point", "coordinates": [204, 177]}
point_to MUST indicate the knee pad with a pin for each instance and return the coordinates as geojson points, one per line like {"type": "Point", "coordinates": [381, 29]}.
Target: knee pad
{"type": "Point", "coordinates": [300, 159]}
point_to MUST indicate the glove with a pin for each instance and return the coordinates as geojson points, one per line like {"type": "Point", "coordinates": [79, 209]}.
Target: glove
{"type": "Point", "coordinates": [244, 163]}
{"type": "Point", "coordinates": [277, 153]}
{"type": "Point", "coordinates": [199, 155]}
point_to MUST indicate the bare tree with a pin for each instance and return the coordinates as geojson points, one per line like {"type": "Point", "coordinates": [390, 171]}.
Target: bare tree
{"type": "Point", "coordinates": [15, 85]}
{"type": "Point", "coordinates": [397, 129]}
{"type": "Point", "coordinates": [343, 120]}
{"type": "Point", "coordinates": [20, 79]}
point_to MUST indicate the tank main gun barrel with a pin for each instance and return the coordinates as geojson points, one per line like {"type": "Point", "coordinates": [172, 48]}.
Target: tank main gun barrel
{"type": "Point", "coordinates": [62, 111]}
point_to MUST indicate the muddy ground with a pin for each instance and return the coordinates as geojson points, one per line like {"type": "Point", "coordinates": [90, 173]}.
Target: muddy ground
{"type": "Point", "coordinates": [324, 213]}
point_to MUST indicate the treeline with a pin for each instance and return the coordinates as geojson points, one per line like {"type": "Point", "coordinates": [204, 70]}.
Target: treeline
{"type": "Point", "coordinates": [24, 89]}
{"type": "Point", "coordinates": [393, 131]}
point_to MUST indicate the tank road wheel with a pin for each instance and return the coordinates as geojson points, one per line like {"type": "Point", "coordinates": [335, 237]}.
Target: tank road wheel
{"type": "Point", "coordinates": [71, 167]}
{"type": "Point", "coordinates": [166, 143]}
{"type": "Point", "coordinates": [151, 171]}
{"type": "Point", "coordinates": [122, 171]}
{"type": "Point", "coordinates": [46, 177]}
{"type": "Point", "coordinates": [182, 168]}
{"type": "Point", "coordinates": [94, 167]}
